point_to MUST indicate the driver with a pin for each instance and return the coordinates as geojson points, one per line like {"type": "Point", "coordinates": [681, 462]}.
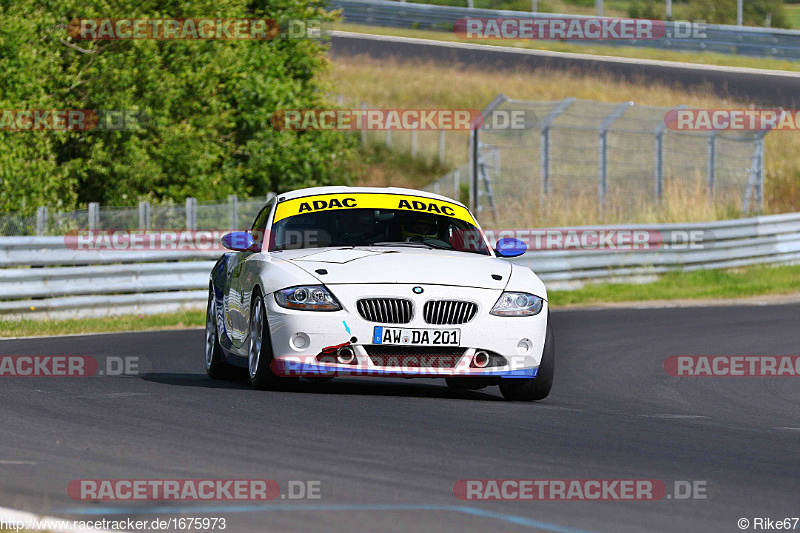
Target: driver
{"type": "Point", "coordinates": [419, 228]}
{"type": "Point", "coordinates": [359, 227]}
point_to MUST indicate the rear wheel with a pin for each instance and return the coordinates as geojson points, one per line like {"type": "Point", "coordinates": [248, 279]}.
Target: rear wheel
{"type": "Point", "coordinates": [525, 390]}
{"type": "Point", "coordinates": [216, 366]}
{"type": "Point", "coordinates": [259, 355]}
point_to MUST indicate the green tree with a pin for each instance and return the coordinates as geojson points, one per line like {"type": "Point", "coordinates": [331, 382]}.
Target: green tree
{"type": "Point", "coordinates": [209, 104]}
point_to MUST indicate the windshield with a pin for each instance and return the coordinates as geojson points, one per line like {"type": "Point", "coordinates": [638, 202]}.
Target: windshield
{"type": "Point", "coordinates": [375, 227]}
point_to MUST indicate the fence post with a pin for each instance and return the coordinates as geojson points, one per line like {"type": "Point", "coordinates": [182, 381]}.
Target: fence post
{"type": "Point", "coordinates": [388, 138]}
{"type": "Point", "coordinates": [602, 182]}
{"type": "Point", "coordinates": [534, 6]}
{"type": "Point", "coordinates": [41, 220]}
{"type": "Point", "coordinates": [760, 170]}
{"type": "Point", "coordinates": [441, 146]}
{"type": "Point", "coordinates": [414, 143]}
{"type": "Point", "coordinates": [755, 181]}
{"type": "Point", "coordinates": [233, 211]}
{"type": "Point", "coordinates": [191, 213]}
{"type": "Point", "coordinates": [457, 184]}
{"type": "Point", "coordinates": [658, 171]}
{"type": "Point", "coordinates": [602, 185]}
{"type": "Point", "coordinates": [659, 165]}
{"type": "Point", "coordinates": [545, 142]}
{"type": "Point", "coordinates": [473, 170]}
{"type": "Point", "coordinates": [475, 151]}
{"type": "Point", "coordinates": [711, 169]}
{"type": "Point", "coordinates": [94, 215]}
{"type": "Point", "coordinates": [144, 215]}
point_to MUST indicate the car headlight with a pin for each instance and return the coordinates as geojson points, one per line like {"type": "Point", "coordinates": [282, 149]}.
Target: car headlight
{"type": "Point", "coordinates": [308, 297]}
{"type": "Point", "coordinates": [517, 304]}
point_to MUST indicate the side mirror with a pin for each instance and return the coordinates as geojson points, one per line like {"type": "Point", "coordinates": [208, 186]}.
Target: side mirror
{"type": "Point", "coordinates": [239, 241]}
{"type": "Point", "coordinates": [510, 247]}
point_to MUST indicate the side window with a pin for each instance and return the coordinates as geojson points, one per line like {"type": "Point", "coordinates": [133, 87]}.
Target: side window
{"type": "Point", "coordinates": [260, 223]}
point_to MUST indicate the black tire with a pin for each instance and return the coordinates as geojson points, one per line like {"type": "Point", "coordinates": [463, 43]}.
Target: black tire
{"type": "Point", "coordinates": [216, 366]}
{"type": "Point", "coordinates": [259, 372]}
{"type": "Point", "coordinates": [526, 390]}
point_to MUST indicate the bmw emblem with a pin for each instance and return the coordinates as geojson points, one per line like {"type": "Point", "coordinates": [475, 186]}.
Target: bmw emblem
{"type": "Point", "coordinates": [418, 290]}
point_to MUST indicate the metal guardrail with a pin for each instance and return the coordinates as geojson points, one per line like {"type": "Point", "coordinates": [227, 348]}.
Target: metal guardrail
{"type": "Point", "coordinates": [773, 239]}
{"type": "Point", "coordinates": [51, 280]}
{"type": "Point", "coordinates": [43, 277]}
{"type": "Point", "coordinates": [750, 41]}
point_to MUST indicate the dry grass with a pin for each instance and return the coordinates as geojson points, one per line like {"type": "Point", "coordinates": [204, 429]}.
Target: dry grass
{"type": "Point", "coordinates": [433, 85]}
{"type": "Point", "coordinates": [420, 84]}
{"type": "Point", "coordinates": [680, 204]}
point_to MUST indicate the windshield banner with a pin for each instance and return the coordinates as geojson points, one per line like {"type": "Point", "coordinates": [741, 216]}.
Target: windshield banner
{"type": "Point", "coordinates": [403, 202]}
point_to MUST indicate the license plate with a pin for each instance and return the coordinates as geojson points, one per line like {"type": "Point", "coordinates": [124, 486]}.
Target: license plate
{"type": "Point", "coordinates": [416, 337]}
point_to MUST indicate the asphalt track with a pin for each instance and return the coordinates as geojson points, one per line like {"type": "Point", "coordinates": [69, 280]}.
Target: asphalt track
{"type": "Point", "coordinates": [765, 87]}
{"type": "Point", "coordinates": [387, 453]}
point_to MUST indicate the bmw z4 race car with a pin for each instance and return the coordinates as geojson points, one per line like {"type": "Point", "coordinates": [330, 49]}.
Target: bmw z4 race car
{"type": "Point", "coordinates": [358, 281]}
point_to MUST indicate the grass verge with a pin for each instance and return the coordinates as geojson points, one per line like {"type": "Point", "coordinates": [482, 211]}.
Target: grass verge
{"type": "Point", "coordinates": [703, 58]}
{"type": "Point", "coordinates": [30, 328]}
{"type": "Point", "coordinates": [716, 284]}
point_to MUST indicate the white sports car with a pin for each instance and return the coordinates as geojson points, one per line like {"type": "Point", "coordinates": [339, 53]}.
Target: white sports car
{"type": "Point", "coordinates": [358, 281]}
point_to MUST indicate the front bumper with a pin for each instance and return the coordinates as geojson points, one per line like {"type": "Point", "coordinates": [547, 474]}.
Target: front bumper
{"type": "Point", "coordinates": [299, 337]}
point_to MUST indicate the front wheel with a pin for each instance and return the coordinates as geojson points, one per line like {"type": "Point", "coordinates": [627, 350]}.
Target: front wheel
{"type": "Point", "coordinates": [525, 390]}
{"type": "Point", "coordinates": [259, 355]}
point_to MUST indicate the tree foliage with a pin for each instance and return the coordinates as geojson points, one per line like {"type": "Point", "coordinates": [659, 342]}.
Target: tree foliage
{"type": "Point", "coordinates": [208, 101]}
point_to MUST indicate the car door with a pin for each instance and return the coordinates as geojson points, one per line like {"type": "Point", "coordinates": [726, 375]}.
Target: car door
{"type": "Point", "coordinates": [239, 287]}
{"type": "Point", "coordinates": [252, 266]}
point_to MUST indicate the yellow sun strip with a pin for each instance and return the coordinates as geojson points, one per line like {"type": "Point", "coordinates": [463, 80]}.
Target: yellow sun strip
{"type": "Point", "coordinates": [344, 201]}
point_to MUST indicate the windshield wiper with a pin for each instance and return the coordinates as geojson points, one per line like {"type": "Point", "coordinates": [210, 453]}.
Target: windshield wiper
{"type": "Point", "coordinates": [412, 243]}
{"type": "Point", "coordinates": [328, 245]}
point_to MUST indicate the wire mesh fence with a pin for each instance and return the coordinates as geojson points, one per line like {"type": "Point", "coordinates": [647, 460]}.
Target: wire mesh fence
{"type": "Point", "coordinates": [585, 162]}
{"type": "Point", "coordinates": [447, 147]}
{"type": "Point", "coordinates": [570, 162]}
{"type": "Point", "coordinates": [454, 184]}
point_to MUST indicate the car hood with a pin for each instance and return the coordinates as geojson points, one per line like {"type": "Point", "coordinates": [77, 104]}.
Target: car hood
{"type": "Point", "coordinates": [401, 265]}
